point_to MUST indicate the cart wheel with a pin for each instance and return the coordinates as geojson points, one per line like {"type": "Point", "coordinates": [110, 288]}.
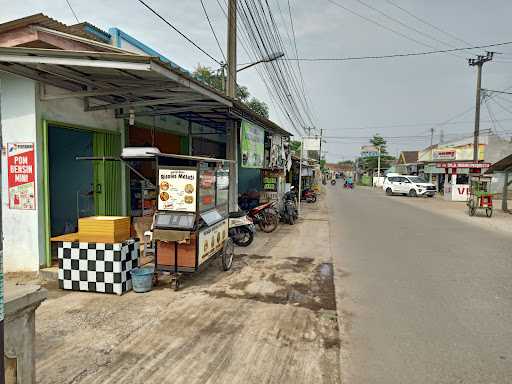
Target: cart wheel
{"type": "Point", "coordinates": [227, 254]}
{"type": "Point", "coordinates": [488, 212]}
{"type": "Point", "coordinates": [177, 285]}
{"type": "Point", "coordinates": [472, 211]}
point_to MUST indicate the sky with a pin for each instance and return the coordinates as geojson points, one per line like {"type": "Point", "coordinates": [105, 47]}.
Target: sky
{"type": "Point", "coordinates": [351, 100]}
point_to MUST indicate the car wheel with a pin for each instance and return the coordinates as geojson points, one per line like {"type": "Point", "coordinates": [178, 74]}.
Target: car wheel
{"type": "Point", "coordinates": [389, 192]}
{"type": "Point", "coordinates": [412, 193]}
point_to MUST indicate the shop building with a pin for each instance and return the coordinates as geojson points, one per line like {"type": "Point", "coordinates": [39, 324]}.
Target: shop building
{"type": "Point", "coordinates": [81, 98]}
{"type": "Point", "coordinates": [449, 165]}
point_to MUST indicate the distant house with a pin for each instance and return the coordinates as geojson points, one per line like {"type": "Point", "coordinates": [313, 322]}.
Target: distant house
{"type": "Point", "coordinates": [344, 168]}
{"type": "Point", "coordinates": [407, 163]}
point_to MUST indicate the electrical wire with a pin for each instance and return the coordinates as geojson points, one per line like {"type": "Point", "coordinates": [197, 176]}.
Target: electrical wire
{"type": "Point", "coordinates": [405, 25]}
{"type": "Point", "coordinates": [178, 31]}
{"type": "Point", "coordinates": [426, 22]}
{"type": "Point", "coordinates": [351, 58]}
{"type": "Point", "coordinates": [73, 12]}
{"type": "Point", "coordinates": [213, 30]}
{"type": "Point", "coordinates": [381, 25]}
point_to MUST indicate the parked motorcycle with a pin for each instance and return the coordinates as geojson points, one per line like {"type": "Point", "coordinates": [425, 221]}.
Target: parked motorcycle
{"type": "Point", "coordinates": [265, 216]}
{"type": "Point", "coordinates": [241, 228]}
{"type": "Point", "coordinates": [309, 195]}
{"type": "Point", "coordinates": [289, 211]}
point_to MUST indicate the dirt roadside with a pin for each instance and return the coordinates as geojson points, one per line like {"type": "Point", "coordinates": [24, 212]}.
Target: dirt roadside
{"type": "Point", "coordinates": [271, 319]}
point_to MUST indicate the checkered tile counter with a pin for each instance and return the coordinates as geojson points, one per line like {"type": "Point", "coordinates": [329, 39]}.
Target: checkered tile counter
{"type": "Point", "coordinates": [97, 267]}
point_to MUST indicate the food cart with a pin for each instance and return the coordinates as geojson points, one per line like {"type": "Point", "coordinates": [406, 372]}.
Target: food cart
{"type": "Point", "coordinates": [190, 226]}
{"type": "Point", "coordinates": [480, 196]}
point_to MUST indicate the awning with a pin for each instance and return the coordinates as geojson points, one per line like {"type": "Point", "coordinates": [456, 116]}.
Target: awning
{"type": "Point", "coordinates": [503, 165]}
{"type": "Point", "coordinates": [127, 83]}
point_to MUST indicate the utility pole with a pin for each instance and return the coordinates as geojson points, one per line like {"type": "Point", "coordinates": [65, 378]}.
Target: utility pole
{"type": "Point", "coordinates": [231, 125]}
{"type": "Point", "coordinates": [378, 166]}
{"type": "Point", "coordinates": [431, 136]}
{"type": "Point", "coordinates": [479, 63]}
{"type": "Point", "coordinates": [321, 139]}
{"type": "Point", "coordinates": [231, 64]}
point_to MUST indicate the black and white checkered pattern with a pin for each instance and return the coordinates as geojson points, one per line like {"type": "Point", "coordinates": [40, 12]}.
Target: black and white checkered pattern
{"type": "Point", "coordinates": [97, 267]}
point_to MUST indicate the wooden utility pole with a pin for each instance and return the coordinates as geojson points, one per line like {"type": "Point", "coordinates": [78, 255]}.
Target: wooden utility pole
{"type": "Point", "coordinates": [231, 64]}
{"type": "Point", "coordinates": [478, 62]}
{"type": "Point", "coordinates": [231, 125]}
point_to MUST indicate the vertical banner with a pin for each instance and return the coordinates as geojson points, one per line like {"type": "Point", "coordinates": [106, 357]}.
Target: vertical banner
{"type": "Point", "coordinates": [252, 145]}
{"type": "Point", "coordinates": [21, 175]}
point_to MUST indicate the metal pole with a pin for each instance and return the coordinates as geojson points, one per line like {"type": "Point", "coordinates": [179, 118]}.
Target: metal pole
{"type": "Point", "coordinates": [378, 165]}
{"type": "Point", "coordinates": [300, 174]}
{"type": "Point", "coordinates": [477, 112]}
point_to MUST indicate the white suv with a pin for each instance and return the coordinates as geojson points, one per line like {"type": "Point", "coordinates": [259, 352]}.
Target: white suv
{"type": "Point", "coordinates": [408, 185]}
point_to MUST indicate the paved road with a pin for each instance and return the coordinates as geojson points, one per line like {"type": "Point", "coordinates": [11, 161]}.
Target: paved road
{"type": "Point", "coordinates": [426, 299]}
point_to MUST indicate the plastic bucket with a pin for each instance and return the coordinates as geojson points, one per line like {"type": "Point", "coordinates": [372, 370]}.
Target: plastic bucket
{"type": "Point", "coordinates": [142, 279]}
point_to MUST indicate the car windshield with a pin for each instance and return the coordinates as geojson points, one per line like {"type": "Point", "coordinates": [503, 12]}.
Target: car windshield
{"type": "Point", "coordinates": [417, 179]}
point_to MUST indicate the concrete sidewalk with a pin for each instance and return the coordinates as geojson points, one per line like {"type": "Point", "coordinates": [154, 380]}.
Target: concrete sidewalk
{"type": "Point", "coordinates": [271, 319]}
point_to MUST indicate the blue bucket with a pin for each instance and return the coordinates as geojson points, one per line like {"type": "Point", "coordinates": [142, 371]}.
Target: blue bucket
{"type": "Point", "coordinates": [142, 279]}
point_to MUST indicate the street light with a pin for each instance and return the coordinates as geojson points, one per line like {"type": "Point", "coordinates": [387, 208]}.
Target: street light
{"type": "Point", "coordinates": [272, 57]}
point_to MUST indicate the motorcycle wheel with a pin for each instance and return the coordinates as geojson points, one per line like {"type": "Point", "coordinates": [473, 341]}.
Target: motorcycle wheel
{"type": "Point", "coordinates": [312, 199]}
{"type": "Point", "coordinates": [269, 222]}
{"type": "Point", "coordinates": [291, 219]}
{"type": "Point", "coordinates": [244, 237]}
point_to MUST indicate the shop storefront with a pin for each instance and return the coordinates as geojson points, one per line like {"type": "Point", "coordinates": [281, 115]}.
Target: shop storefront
{"type": "Point", "coordinates": [456, 178]}
{"type": "Point", "coordinates": [75, 126]}
{"type": "Point", "coordinates": [263, 162]}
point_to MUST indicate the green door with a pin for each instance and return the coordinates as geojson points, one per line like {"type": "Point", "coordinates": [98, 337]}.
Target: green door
{"type": "Point", "coordinates": [107, 174]}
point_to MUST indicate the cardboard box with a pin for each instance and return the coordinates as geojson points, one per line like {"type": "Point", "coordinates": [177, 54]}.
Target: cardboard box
{"type": "Point", "coordinates": [104, 229]}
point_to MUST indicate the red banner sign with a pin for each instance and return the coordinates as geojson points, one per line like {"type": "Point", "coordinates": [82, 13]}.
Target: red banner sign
{"type": "Point", "coordinates": [21, 176]}
{"type": "Point", "coordinates": [464, 165]}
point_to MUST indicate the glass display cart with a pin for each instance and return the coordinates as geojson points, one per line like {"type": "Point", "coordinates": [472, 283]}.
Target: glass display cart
{"type": "Point", "coordinates": [190, 226]}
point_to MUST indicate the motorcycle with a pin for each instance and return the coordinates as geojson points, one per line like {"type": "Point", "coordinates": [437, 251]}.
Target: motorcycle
{"type": "Point", "coordinates": [348, 186]}
{"type": "Point", "coordinates": [309, 195]}
{"type": "Point", "coordinates": [265, 216]}
{"type": "Point", "coordinates": [289, 211]}
{"type": "Point", "coordinates": [333, 182]}
{"type": "Point", "coordinates": [241, 228]}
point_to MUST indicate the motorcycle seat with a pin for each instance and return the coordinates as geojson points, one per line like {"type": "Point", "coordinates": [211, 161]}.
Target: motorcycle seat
{"type": "Point", "coordinates": [234, 215]}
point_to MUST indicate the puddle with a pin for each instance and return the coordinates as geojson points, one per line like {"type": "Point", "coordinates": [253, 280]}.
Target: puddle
{"type": "Point", "coordinates": [317, 294]}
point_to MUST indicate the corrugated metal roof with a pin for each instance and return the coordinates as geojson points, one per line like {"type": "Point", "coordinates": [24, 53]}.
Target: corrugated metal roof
{"type": "Point", "coordinates": [161, 88]}
{"type": "Point", "coordinates": [46, 21]}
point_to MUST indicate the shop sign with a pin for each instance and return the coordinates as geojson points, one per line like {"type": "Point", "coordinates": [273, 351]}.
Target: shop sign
{"type": "Point", "coordinates": [177, 190]}
{"type": "Point", "coordinates": [311, 144]}
{"type": "Point", "coordinates": [444, 154]}
{"type": "Point", "coordinates": [211, 240]}
{"type": "Point", "coordinates": [270, 180]}
{"type": "Point", "coordinates": [252, 143]}
{"type": "Point", "coordinates": [464, 165]}
{"type": "Point", "coordinates": [21, 176]}
{"type": "Point", "coordinates": [369, 151]}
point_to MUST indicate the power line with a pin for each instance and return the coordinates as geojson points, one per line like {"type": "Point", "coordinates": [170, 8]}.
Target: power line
{"type": "Point", "coordinates": [412, 125]}
{"type": "Point", "coordinates": [381, 25]}
{"type": "Point", "coordinates": [395, 20]}
{"type": "Point", "coordinates": [351, 58]}
{"type": "Point", "coordinates": [178, 31]}
{"type": "Point", "coordinates": [426, 22]}
{"type": "Point", "coordinates": [213, 30]}
{"type": "Point", "coordinates": [73, 12]}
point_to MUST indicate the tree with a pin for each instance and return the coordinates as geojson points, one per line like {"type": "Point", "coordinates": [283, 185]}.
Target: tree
{"type": "Point", "coordinates": [258, 106]}
{"type": "Point", "coordinates": [378, 142]}
{"type": "Point", "coordinates": [217, 81]}
{"type": "Point", "coordinates": [370, 163]}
